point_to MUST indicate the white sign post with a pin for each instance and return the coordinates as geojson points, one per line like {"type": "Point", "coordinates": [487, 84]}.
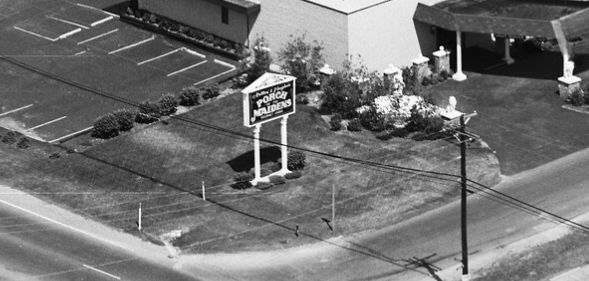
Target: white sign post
{"type": "Point", "coordinates": [270, 97]}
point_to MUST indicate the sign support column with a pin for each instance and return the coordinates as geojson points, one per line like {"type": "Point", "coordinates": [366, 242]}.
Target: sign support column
{"type": "Point", "coordinates": [284, 152]}
{"type": "Point", "coordinates": [459, 75]}
{"type": "Point", "coordinates": [256, 154]}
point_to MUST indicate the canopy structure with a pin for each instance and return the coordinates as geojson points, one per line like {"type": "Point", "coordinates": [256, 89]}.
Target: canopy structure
{"type": "Point", "coordinates": [566, 21]}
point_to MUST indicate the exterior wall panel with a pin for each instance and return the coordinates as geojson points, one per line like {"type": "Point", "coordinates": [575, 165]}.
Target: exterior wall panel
{"type": "Point", "coordinates": [279, 19]}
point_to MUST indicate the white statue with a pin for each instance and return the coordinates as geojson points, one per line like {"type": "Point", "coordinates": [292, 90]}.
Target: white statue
{"type": "Point", "coordinates": [568, 68]}
{"type": "Point", "coordinates": [451, 104]}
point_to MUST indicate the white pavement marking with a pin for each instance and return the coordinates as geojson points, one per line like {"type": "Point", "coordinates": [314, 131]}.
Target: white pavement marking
{"type": "Point", "coordinates": [36, 34]}
{"type": "Point", "coordinates": [46, 123]}
{"type": "Point", "coordinates": [102, 21]}
{"type": "Point", "coordinates": [160, 56]}
{"type": "Point", "coordinates": [103, 272]}
{"type": "Point", "coordinates": [15, 110]}
{"type": "Point", "coordinates": [68, 22]}
{"type": "Point", "coordinates": [132, 45]}
{"type": "Point", "coordinates": [65, 225]}
{"type": "Point", "coordinates": [193, 52]}
{"type": "Point", "coordinates": [98, 36]}
{"type": "Point", "coordinates": [94, 8]}
{"type": "Point", "coordinates": [225, 64]}
{"type": "Point", "coordinates": [69, 33]}
{"type": "Point", "coordinates": [186, 68]}
{"type": "Point", "coordinates": [72, 134]}
{"type": "Point", "coordinates": [215, 76]}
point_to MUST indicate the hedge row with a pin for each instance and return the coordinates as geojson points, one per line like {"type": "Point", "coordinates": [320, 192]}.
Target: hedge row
{"type": "Point", "coordinates": [110, 125]}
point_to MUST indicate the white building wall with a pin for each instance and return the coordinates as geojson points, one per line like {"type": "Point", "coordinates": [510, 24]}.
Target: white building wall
{"type": "Point", "coordinates": [279, 19]}
{"type": "Point", "coordinates": [202, 15]}
{"type": "Point", "coordinates": [386, 34]}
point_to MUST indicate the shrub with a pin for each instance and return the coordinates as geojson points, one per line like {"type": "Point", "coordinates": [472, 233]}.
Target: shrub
{"type": "Point", "coordinates": [302, 60]}
{"type": "Point", "coordinates": [54, 155]}
{"type": "Point", "coordinates": [190, 96]}
{"type": "Point", "coordinates": [444, 74]}
{"type": "Point", "coordinates": [264, 185]}
{"type": "Point", "coordinates": [274, 167]}
{"type": "Point", "coordinates": [296, 160]}
{"type": "Point", "coordinates": [23, 143]}
{"type": "Point", "coordinates": [341, 95]}
{"type": "Point", "coordinates": [242, 180]}
{"type": "Point", "coordinates": [106, 126]}
{"type": "Point", "coordinates": [293, 175]}
{"type": "Point", "coordinates": [400, 133]}
{"type": "Point", "coordinates": [576, 98]}
{"type": "Point", "coordinates": [265, 172]}
{"type": "Point", "coordinates": [126, 118]}
{"type": "Point", "coordinates": [148, 112]}
{"type": "Point", "coordinates": [277, 180]}
{"type": "Point", "coordinates": [354, 125]}
{"type": "Point", "coordinates": [371, 120]}
{"type": "Point", "coordinates": [9, 138]}
{"type": "Point", "coordinates": [336, 122]}
{"type": "Point", "coordinates": [384, 135]}
{"type": "Point", "coordinates": [167, 104]}
{"type": "Point", "coordinates": [210, 90]}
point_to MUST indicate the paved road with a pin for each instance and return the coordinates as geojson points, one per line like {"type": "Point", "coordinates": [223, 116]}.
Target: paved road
{"type": "Point", "coordinates": [34, 248]}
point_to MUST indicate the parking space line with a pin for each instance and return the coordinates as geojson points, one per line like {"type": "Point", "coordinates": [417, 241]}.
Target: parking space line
{"type": "Point", "coordinates": [225, 64]}
{"type": "Point", "coordinates": [35, 34]}
{"type": "Point", "coordinates": [193, 52]}
{"type": "Point", "coordinates": [15, 110]}
{"type": "Point", "coordinates": [68, 22]}
{"type": "Point", "coordinates": [69, 33]}
{"type": "Point", "coordinates": [160, 56]}
{"type": "Point", "coordinates": [102, 272]}
{"type": "Point", "coordinates": [46, 123]}
{"type": "Point", "coordinates": [132, 45]}
{"type": "Point", "coordinates": [98, 36]}
{"type": "Point", "coordinates": [72, 134]}
{"type": "Point", "coordinates": [186, 68]}
{"type": "Point", "coordinates": [102, 21]}
{"type": "Point", "coordinates": [94, 8]}
{"type": "Point", "coordinates": [215, 76]}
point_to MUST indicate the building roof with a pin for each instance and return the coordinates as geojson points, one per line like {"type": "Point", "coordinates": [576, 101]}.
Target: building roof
{"type": "Point", "coordinates": [510, 17]}
{"type": "Point", "coordinates": [347, 6]}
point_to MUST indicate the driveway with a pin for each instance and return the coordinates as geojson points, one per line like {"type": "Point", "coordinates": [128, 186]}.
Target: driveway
{"type": "Point", "coordinates": [520, 114]}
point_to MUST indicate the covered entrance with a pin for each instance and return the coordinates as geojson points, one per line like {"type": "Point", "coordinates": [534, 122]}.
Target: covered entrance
{"type": "Point", "coordinates": [502, 28]}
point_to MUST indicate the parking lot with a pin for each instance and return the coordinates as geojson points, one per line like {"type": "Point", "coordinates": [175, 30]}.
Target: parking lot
{"type": "Point", "coordinates": [68, 63]}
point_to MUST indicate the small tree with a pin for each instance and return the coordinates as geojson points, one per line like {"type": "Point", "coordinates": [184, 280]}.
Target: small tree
{"type": "Point", "coordinates": [302, 60]}
{"type": "Point", "coordinates": [125, 118]}
{"type": "Point", "coordinates": [262, 60]}
{"type": "Point", "coordinates": [190, 96]}
{"type": "Point", "coordinates": [167, 104]}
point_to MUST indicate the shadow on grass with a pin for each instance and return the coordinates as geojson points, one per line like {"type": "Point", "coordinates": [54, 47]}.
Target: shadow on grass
{"type": "Point", "coordinates": [245, 162]}
{"type": "Point", "coordinates": [366, 251]}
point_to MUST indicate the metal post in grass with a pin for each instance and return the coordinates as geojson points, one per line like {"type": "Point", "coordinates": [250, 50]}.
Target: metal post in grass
{"type": "Point", "coordinates": [332, 207]}
{"type": "Point", "coordinates": [204, 197]}
{"type": "Point", "coordinates": [139, 222]}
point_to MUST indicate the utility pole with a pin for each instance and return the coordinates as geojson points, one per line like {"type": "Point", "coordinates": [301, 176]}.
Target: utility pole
{"type": "Point", "coordinates": [463, 138]}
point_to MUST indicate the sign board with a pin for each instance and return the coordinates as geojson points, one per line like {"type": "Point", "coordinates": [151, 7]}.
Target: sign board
{"type": "Point", "coordinates": [497, 35]}
{"type": "Point", "coordinates": [269, 97]}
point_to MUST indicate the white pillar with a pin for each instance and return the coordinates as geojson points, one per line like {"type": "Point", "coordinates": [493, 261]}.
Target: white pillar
{"type": "Point", "coordinates": [284, 151]}
{"type": "Point", "coordinates": [459, 75]}
{"type": "Point", "coordinates": [507, 57]}
{"type": "Point", "coordinates": [256, 154]}
{"type": "Point", "coordinates": [565, 61]}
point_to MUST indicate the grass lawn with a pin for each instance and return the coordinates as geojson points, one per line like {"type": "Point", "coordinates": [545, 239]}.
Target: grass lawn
{"type": "Point", "coordinates": [163, 166]}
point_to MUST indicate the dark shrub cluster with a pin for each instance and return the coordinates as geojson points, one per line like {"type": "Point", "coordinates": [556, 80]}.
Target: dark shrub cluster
{"type": "Point", "coordinates": [354, 125]}
{"type": "Point", "coordinates": [190, 96]}
{"type": "Point", "coordinates": [336, 122]}
{"type": "Point", "coordinates": [277, 180]}
{"type": "Point", "coordinates": [106, 126]}
{"type": "Point", "coordinates": [167, 104]}
{"type": "Point", "coordinates": [210, 90]}
{"type": "Point", "coordinates": [10, 138]}
{"type": "Point", "coordinates": [125, 118]}
{"type": "Point", "coordinates": [242, 180]}
{"type": "Point", "coordinates": [23, 143]}
{"type": "Point", "coordinates": [296, 160]}
{"type": "Point", "coordinates": [148, 112]}
{"type": "Point", "coordinates": [293, 175]}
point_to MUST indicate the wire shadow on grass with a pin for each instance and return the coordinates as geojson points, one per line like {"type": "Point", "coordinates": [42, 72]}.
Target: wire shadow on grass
{"type": "Point", "coordinates": [372, 253]}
